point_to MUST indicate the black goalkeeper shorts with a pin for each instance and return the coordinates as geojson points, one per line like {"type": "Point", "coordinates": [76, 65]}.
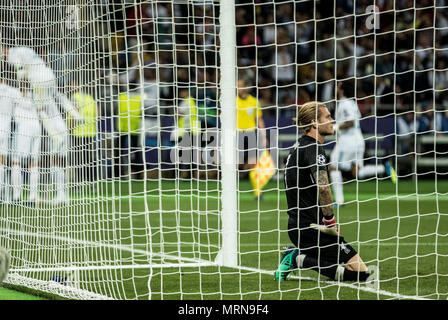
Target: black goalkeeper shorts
{"type": "Point", "coordinates": [322, 246]}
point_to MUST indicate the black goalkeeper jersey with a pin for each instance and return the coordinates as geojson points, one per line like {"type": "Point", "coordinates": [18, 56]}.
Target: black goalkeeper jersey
{"type": "Point", "coordinates": [301, 188]}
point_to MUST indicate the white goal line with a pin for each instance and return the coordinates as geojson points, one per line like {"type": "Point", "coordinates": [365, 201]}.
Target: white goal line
{"type": "Point", "coordinates": [357, 286]}
{"type": "Point", "coordinates": [354, 286]}
{"type": "Point", "coordinates": [100, 244]}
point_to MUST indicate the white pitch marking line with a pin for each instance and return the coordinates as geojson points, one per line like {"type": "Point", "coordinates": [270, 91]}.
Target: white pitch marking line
{"type": "Point", "coordinates": [343, 284]}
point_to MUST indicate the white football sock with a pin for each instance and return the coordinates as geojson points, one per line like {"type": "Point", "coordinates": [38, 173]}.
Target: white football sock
{"type": "Point", "coordinates": [59, 179]}
{"type": "Point", "coordinates": [16, 182]}
{"type": "Point", "coordinates": [299, 260]}
{"type": "Point", "coordinates": [3, 189]}
{"type": "Point", "coordinates": [34, 182]}
{"type": "Point", "coordinates": [2, 176]}
{"type": "Point", "coordinates": [339, 273]}
{"type": "Point", "coordinates": [336, 181]}
{"type": "Point", "coordinates": [371, 170]}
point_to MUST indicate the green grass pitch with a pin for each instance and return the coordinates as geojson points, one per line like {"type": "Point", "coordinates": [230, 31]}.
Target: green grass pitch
{"type": "Point", "coordinates": [402, 228]}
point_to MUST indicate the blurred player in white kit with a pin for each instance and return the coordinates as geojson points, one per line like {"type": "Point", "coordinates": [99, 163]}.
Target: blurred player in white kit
{"type": "Point", "coordinates": [29, 66]}
{"type": "Point", "coordinates": [347, 157]}
{"type": "Point", "coordinates": [26, 142]}
{"type": "Point", "coordinates": [9, 97]}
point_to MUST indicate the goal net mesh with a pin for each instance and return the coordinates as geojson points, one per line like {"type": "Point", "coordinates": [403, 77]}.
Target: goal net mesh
{"type": "Point", "coordinates": [132, 190]}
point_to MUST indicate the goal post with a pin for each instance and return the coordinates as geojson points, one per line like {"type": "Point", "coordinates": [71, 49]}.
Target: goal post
{"type": "Point", "coordinates": [229, 251]}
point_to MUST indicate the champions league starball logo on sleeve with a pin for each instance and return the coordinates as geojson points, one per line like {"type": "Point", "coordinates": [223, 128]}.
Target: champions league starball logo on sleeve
{"type": "Point", "coordinates": [321, 159]}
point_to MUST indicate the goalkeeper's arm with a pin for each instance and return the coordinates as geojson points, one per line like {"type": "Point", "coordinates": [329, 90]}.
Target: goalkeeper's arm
{"type": "Point", "coordinates": [326, 202]}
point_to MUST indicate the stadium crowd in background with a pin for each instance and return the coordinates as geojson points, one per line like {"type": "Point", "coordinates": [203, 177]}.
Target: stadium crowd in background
{"type": "Point", "coordinates": [292, 51]}
{"type": "Point", "coordinates": [294, 57]}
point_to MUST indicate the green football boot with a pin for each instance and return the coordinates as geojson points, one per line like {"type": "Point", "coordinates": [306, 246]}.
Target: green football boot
{"type": "Point", "coordinates": [390, 171]}
{"type": "Point", "coordinates": [287, 263]}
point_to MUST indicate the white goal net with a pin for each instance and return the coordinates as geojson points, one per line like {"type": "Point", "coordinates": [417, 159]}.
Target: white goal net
{"type": "Point", "coordinates": [144, 145]}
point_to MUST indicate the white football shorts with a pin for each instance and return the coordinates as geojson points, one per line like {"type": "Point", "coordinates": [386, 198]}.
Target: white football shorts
{"type": "Point", "coordinates": [347, 153]}
{"type": "Point", "coordinates": [27, 140]}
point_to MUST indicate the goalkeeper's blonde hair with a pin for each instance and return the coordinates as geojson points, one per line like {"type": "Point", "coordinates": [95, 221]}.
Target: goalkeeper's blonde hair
{"type": "Point", "coordinates": [307, 113]}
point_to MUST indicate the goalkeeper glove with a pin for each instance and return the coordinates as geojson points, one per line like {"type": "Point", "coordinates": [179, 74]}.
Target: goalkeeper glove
{"type": "Point", "coordinates": [329, 226]}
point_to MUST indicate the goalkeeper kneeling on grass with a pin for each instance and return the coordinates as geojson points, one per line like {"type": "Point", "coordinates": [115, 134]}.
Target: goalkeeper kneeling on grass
{"type": "Point", "coordinates": [312, 226]}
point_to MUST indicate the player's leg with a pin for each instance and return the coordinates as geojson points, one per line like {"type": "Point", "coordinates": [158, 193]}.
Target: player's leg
{"type": "Point", "coordinates": [369, 170]}
{"type": "Point", "coordinates": [34, 163]}
{"type": "Point", "coordinates": [348, 156]}
{"type": "Point", "coordinates": [337, 185]}
{"type": "Point", "coordinates": [58, 173]}
{"type": "Point", "coordinates": [58, 164]}
{"type": "Point", "coordinates": [332, 270]}
{"type": "Point", "coordinates": [330, 256]}
{"type": "Point", "coordinates": [4, 263]}
{"type": "Point", "coordinates": [16, 180]}
{"type": "Point", "coordinates": [2, 172]}
{"type": "Point", "coordinates": [336, 175]}
{"type": "Point", "coordinates": [373, 170]}
{"type": "Point", "coordinates": [2, 169]}
{"type": "Point", "coordinates": [290, 256]}
{"type": "Point", "coordinates": [34, 181]}
{"type": "Point", "coordinates": [326, 261]}
{"type": "Point", "coordinates": [5, 131]}
{"type": "Point", "coordinates": [334, 258]}
{"type": "Point", "coordinates": [59, 147]}
{"type": "Point", "coordinates": [355, 263]}
{"type": "Point", "coordinates": [21, 145]}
